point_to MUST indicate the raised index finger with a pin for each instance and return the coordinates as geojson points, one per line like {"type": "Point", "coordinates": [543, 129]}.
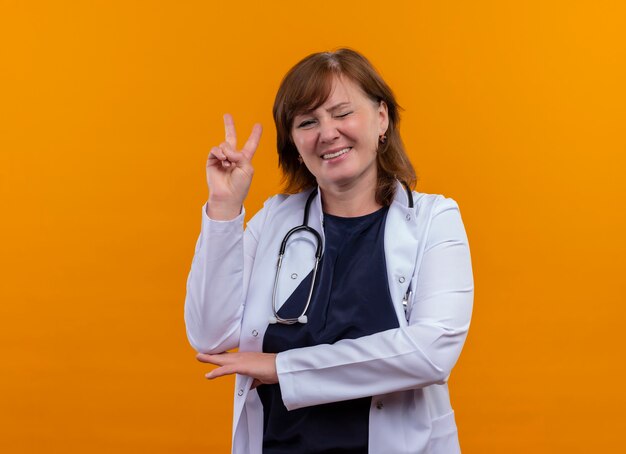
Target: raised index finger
{"type": "Point", "coordinates": [253, 141]}
{"type": "Point", "coordinates": [229, 129]}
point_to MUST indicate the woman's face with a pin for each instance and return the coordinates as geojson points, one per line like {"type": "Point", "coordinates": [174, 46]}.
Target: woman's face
{"type": "Point", "coordinates": [339, 139]}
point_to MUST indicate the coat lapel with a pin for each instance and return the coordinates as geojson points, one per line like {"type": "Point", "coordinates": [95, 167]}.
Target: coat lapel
{"type": "Point", "coordinates": [401, 248]}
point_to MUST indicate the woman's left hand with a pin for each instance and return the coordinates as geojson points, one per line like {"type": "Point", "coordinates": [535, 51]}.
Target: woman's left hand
{"type": "Point", "coordinates": [260, 366]}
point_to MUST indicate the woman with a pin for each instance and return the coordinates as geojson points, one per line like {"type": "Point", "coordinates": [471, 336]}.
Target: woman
{"type": "Point", "coordinates": [351, 354]}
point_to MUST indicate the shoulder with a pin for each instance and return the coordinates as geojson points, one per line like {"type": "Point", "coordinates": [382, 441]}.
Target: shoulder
{"type": "Point", "coordinates": [285, 201]}
{"type": "Point", "coordinates": [433, 203]}
{"type": "Point", "coordinates": [278, 205]}
{"type": "Point", "coordinates": [440, 218]}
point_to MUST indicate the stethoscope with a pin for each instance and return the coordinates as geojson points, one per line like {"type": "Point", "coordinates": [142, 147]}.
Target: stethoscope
{"type": "Point", "coordinates": [318, 257]}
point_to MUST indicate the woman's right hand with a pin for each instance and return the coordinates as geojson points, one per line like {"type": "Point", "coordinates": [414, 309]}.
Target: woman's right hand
{"type": "Point", "coordinates": [229, 172]}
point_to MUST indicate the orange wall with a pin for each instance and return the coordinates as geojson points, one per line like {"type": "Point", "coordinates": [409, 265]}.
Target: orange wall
{"type": "Point", "coordinates": [107, 112]}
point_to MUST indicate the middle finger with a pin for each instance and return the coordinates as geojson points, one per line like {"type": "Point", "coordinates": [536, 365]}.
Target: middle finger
{"type": "Point", "coordinates": [218, 360]}
{"type": "Point", "coordinates": [229, 129]}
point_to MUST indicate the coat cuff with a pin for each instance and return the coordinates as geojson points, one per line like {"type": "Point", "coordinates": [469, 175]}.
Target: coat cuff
{"type": "Point", "coordinates": [286, 382]}
{"type": "Point", "coordinates": [212, 225]}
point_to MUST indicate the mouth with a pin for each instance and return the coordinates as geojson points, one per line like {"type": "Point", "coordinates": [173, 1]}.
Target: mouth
{"type": "Point", "coordinates": [336, 154]}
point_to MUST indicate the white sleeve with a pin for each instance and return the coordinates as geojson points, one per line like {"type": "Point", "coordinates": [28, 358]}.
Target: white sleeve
{"type": "Point", "coordinates": [218, 281]}
{"type": "Point", "coordinates": [418, 355]}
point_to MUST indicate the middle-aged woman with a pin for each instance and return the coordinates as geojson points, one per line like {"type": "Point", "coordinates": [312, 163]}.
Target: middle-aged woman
{"type": "Point", "coordinates": [351, 355]}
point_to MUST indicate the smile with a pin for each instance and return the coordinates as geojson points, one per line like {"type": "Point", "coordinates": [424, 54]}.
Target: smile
{"type": "Point", "coordinates": [337, 153]}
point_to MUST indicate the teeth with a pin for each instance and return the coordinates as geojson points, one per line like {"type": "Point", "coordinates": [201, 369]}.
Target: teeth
{"type": "Point", "coordinates": [334, 155]}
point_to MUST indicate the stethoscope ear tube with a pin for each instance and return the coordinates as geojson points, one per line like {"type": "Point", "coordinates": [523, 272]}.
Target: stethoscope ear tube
{"type": "Point", "coordinates": [409, 193]}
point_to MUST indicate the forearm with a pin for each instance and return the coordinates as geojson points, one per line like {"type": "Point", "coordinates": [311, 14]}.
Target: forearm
{"type": "Point", "coordinates": [214, 300]}
{"type": "Point", "coordinates": [385, 362]}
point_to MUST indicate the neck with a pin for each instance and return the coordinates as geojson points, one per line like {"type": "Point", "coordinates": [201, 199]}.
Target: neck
{"type": "Point", "coordinates": [349, 201]}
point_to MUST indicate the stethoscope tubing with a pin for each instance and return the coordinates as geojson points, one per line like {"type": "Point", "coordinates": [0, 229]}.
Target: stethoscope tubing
{"type": "Point", "coordinates": [318, 257]}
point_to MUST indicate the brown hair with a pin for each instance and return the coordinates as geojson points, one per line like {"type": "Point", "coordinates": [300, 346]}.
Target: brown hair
{"type": "Point", "coordinates": [306, 87]}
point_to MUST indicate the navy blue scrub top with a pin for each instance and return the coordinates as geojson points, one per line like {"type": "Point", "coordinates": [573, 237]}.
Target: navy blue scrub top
{"type": "Point", "coordinates": [351, 299]}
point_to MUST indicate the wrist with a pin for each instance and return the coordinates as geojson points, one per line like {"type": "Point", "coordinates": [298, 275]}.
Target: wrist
{"type": "Point", "coordinates": [222, 211]}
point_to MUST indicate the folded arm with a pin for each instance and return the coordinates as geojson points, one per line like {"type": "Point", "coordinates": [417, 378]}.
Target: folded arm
{"type": "Point", "coordinates": [418, 355]}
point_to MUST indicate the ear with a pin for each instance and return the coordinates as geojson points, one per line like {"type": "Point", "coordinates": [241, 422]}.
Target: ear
{"type": "Point", "coordinates": [383, 117]}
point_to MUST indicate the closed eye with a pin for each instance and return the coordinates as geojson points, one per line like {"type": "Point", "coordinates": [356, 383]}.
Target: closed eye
{"type": "Point", "coordinates": [306, 123]}
{"type": "Point", "coordinates": [344, 115]}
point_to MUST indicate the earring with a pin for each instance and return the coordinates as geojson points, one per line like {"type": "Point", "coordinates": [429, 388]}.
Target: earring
{"type": "Point", "coordinates": [299, 158]}
{"type": "Point", "coordinates": [382, 138]}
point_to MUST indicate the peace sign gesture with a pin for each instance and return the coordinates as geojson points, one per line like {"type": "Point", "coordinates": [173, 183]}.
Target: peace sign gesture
{"type": "Point", "coordinates": [229, 172]}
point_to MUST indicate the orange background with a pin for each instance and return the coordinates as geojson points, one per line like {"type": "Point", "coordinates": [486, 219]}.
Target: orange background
{"type": "Point", "coordinates": [108, 110]}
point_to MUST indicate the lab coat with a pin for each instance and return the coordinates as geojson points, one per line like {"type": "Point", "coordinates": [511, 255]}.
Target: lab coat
{"type": "Point", "coordinates": [405, 369]}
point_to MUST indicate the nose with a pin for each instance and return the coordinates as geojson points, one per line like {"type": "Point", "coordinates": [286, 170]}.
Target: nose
{"type": "Point", "coordinates": [328, 131]}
